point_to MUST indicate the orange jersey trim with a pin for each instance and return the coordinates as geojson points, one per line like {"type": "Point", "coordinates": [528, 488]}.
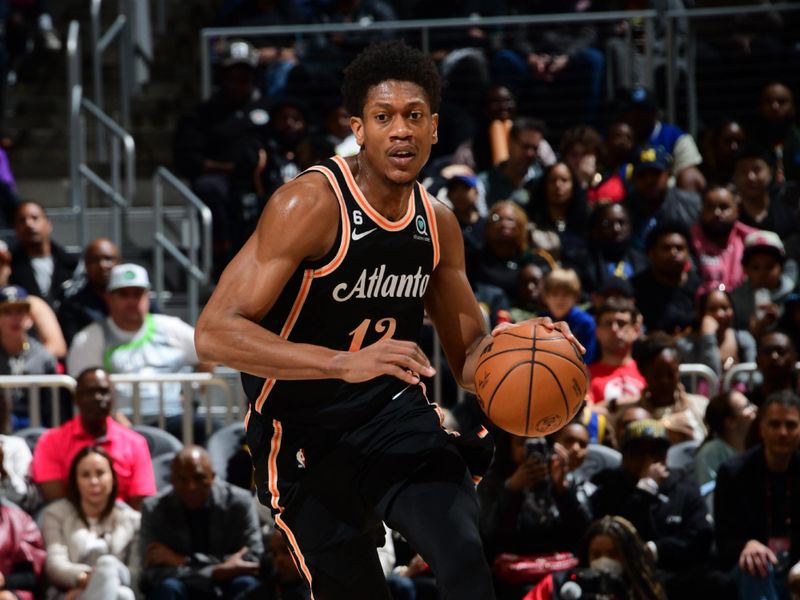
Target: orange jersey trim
{"type": "Point", "coordinates": [344, 243]}
{"type": "Point", "coordinates": [373, 214]}
{"type": "Point", "coordinates": [427, 202]}
{"type": "Point", "coordinates": [272, 463]}
{"type": "Point", "coordinates": [272, 482]}
{"type": "Point", "coordinates": [297, 555]}
{"type": "Point", "coordinates": [302, 294]}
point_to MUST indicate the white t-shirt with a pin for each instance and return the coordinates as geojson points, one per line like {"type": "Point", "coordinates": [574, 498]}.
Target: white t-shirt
{"type": "Point", "coordinates": [17, 460]}
{"type": "Point", "coordinates": [43, 272]}
{"type": "Point", "coordinates": [89, 349]}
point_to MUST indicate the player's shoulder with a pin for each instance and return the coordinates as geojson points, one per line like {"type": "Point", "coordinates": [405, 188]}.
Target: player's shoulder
{"type": "Point", "coordinates": [308, 198]}
{"type": "Point", "coordinates": [442, 213]}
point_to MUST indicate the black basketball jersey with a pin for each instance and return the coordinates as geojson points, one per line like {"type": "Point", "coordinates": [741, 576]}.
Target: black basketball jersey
{"type": "Point", "coordinates": [369, 286]}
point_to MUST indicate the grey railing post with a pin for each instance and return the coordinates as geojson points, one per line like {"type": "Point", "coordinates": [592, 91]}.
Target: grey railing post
{"type": "Point", "coordinates": [75, 93]}
{"type": "Point", "coordinates": [198, 263]}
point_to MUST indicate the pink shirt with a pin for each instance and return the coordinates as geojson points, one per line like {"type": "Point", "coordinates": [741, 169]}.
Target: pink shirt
{"type": "Point", "coordinates": [56, 448]}
{"type": "Point", "coordinates": [614, 382]}
{"type": "Point", "coordinates": [721, 265]}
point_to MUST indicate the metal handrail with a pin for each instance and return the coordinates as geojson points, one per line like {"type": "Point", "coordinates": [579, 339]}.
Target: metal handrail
{"type": "Point", "coordinates": [697, 371]}
{"type": "Point", "coordinates": [748, 369]}
{"type": "Point", "coordinates": [188, 381]}
{"type": "Point", "coordinates": [233, 397]}
{"type": "Point", "coordinates": [121, 29]}
{"type": "Point", "coordinates": [35, 383]}
{"type": "Point", "coordinates": [118, 192]}
{"type": "Point", "coordinates": [195, 207]}
{"type": "Point", "coordinates": [424, 26]}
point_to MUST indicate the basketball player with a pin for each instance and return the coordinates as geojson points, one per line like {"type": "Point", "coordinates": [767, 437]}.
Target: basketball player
{"type": "Point", "coordinates": [321, 310]}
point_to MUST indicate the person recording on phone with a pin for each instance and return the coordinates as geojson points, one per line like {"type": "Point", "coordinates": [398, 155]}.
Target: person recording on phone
{"type": "Point", "coordinates": [758, 302]}
{"type": "Point", "coordinates": [528, 505]}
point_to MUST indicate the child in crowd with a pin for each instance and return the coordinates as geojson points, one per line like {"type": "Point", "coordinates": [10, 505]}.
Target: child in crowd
{"type": "Point", "coordinates": [561, 290]}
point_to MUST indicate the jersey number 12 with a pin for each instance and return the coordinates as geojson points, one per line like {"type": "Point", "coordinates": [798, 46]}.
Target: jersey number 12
{"type": "Point", "coordinates": [385, 326]}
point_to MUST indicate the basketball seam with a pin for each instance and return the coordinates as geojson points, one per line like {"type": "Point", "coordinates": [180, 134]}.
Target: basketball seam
{"type": "Point", "coordinates": [524, 337]}
{"type": "Point", "coordinates": [558, 382]}
{"type": "Point", "coordinates": [530, 386]}
{"type": "Point", "coordinates": [500, 383]}
{"type": "Point", "coordinates": [580, 365]}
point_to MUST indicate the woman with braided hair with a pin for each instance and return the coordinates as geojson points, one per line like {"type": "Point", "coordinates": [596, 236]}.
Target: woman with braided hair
{"type": "Point", "coordinates": [612, 545]}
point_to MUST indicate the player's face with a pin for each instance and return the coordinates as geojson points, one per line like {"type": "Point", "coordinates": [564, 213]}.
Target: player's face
{"type": "Point", "coordinates": [396, 130]}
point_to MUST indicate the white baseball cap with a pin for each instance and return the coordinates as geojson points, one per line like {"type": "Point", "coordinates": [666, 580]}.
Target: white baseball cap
{"type": "Point", "coordinates": [128, 275]}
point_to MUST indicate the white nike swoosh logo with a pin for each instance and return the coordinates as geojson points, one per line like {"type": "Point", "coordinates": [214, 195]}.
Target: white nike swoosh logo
{"type": "Point", "coordinates": [357, 236]}
{"type": "Point", "coordinates": [400, 392]}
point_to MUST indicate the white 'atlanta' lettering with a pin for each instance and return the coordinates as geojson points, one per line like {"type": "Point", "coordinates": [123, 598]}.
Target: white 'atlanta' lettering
{"type": "Point", "coordinates": [379, 285]}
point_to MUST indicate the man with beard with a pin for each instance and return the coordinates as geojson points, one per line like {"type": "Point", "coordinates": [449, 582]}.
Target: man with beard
{"type": "Point", "coordinates": [609, 252]}
{"type": "Point", "coordinates": [718, 239]}
{"type": "Point", "coordinates": [665, 292]}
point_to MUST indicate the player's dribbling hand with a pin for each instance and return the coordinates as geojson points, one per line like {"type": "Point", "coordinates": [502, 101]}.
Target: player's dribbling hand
{"type": "Point", "coordinates": [546, 322]}
{"type": "Point", "coordinates": [398, 358]}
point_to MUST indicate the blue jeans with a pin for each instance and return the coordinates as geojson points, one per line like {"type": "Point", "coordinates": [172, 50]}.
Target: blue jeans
{"type": "Point", "coordinates": [172, 588]}
{"type": "Point", "coordinates": [753, 587]}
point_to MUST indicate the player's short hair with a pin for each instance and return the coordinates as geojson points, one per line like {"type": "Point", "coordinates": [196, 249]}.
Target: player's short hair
{"type": "Point", "coordinates": [389, 61]}
{"type": "Point", "coordinates": [562, 279]}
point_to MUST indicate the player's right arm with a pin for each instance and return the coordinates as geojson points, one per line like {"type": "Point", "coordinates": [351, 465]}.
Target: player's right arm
{"type": "Point", "coordinates": [299, 222]}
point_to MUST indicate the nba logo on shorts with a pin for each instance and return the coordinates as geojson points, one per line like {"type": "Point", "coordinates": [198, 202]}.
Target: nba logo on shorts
{"type": "Point", "coordinates": [301, 459]}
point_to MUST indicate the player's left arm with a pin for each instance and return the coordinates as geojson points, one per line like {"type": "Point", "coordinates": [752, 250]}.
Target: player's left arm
{"type": "Point", "coordinates": [452, 306]}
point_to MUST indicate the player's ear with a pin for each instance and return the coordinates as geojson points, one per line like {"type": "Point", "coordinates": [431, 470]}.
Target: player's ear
{"type": "Point", "coordinates": [357, 127]}
{"type": "Point", "coordinates": [435, 120]}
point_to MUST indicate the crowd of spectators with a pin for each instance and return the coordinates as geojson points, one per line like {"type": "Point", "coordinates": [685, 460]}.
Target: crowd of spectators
{"type": "Point", "coordinates": [657, 249]}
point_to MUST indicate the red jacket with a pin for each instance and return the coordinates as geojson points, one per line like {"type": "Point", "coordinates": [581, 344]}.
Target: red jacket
{"type": "Point", "coordinates": [21, 548]}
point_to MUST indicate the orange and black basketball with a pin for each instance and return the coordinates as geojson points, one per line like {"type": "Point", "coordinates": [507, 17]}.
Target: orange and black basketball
{"type": "Point", "coordinates": [530, 381]}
